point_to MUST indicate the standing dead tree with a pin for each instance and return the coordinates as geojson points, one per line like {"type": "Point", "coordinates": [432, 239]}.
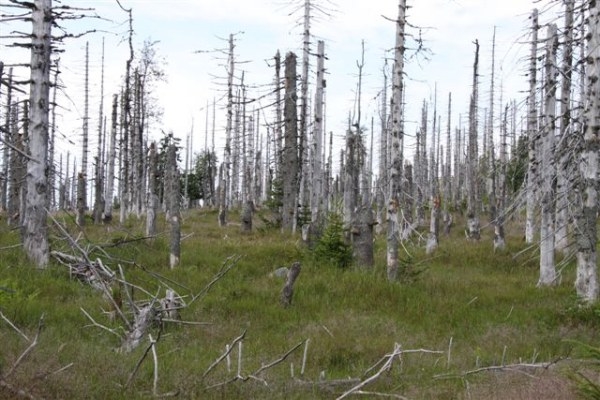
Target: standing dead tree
{"type": "Point", "coordinates": [532, 132]}
{"type": "Point", "coordinates": [473, 203]}
{"type": "Point", "coordinates": [173, 212]}
{"type": "Point", "coordinates": [588, 185]}
{"type": "Point", "coordinates": [397, 139]}
{"type": "Point", "coordinates": [35, 224]}
{"type": "Point", "coordinates": [290, 157]}
{"type": "Point", "coordinates": [548, 182]}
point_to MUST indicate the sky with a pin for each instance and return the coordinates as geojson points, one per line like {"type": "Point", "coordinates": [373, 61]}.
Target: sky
{"type": "Point", "coordinates": [191, 33]}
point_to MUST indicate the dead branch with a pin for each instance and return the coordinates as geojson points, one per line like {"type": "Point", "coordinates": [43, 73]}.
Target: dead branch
{"type": "Point", "coordinates": [28, 350]}
{"type": "Point", "coordinates": [141, 360]}
{"type": "Point", "coordinates": [13, 326]}
{"type": "Point", "coordinates": [227, 265]}
{"type": "Point", "coordinates": [94, 323]}
{"type": "Point", "coordinates": [518, 367]}
{"type": "Point", "coordinates": [385, 367]}
{"type": "Point", "coordinates": [142, 321]}
{"type": "Point", "coordinates": [279, 360]}
{"type": "Point", "coordinates": [224, 355]}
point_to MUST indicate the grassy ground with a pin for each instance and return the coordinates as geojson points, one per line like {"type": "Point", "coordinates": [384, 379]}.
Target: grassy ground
{"type": "Point", "coordinates": [477, 308]}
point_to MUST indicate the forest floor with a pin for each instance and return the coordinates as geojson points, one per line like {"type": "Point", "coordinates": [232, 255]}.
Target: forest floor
{"type": "Point", "coordinates": [463, 323]}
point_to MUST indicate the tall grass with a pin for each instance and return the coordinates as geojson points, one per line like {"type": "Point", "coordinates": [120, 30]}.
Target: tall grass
{"type": "Point", "coordinates": [478, 307]}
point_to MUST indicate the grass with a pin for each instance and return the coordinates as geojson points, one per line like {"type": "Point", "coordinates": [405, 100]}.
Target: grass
{"type": "Point", "coordinates": [485, 304]}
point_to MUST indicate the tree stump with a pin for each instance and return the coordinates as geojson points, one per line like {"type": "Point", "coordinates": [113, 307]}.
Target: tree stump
{"type": "Point", "coordinates": [288, 289]}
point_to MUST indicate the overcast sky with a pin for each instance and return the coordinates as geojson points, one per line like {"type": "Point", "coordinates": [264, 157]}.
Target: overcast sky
{"type": "Point", "coordinates": [182, 27]}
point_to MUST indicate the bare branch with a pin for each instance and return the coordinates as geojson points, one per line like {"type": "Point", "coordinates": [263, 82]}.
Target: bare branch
{"type": "Point", "coordinates": [28, 350]}
{"type": "Point", "coordinates": [224, 355]}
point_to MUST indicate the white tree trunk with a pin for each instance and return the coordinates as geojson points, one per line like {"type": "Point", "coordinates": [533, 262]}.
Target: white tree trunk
{"type": "Point", "coordinates": [397, 137]}
{"type": "Point", "coordinates": [174, 206]}
{"type": "Point", "coordinates": [533, 134]}
{"type": "Point", "coordinates": [473, 203]}
{"type": "Point", "coordinates": [547, 266]}
{"type": "Point", "coordinates": [35, 223]}
{"type": "Point", "coordinates": [110, 173]}
{"type": "Point", "coordinates": [562, 152]}
{"type": "Point", "coordinates": [317, 157]}
{"type": "Point", "coordinates": [586, 282]}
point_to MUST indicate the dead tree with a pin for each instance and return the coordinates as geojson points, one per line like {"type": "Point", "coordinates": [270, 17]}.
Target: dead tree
{"type": "Point", "coordinates": [588, 185]}
{"type": "Point", "coordinates": [397, 141]}
{"type": "Point", "coordinates": [126, 125]}
{"type": "Point", "coordinates": [290, 156]}
{"type": "Point", "coordinates": [499, 240]}
{"type": "Point", "coordinates": [533, 134]}
{"type": "Point", "coordinates": [82, 179]}
{"type": "Point", "coordinates": [110, 164]}
{"type": "Point", "coordinates": [288, 290]}
{"type": "Point", "coordinates": [317, 147]}
{"type": "Point", "coordinates": [447, 198]}
{"type": "Point", "coordinates": [99, 175]}
{"type": "Point", "coordinates": [173, 212]}
{"type": "Point", "coordinates": [35, 219]}
{"type": "Point", "coordinates": [548, 181]}
{"type": "Point", "coordinates": [226, 166]}
{"type": "Point", "coordinates": [565, 138]}
{"type": "Point", "coordinates": [473, 203]}
{"type": "Point", "coordinates": [152, 207]}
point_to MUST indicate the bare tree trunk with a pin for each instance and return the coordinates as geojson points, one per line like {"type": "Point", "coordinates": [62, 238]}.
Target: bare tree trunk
{"type": "Point", "coordinates": [223, 202]}
{"type": "Point", "coordinates": [447, 198]}
{"type": "Point", "coordinates": [35, 224]}
{"type": "Point", "coordinates": [490, 156]}
{"type": "Point", "coordinates": [499, 241]}
{"type": "Point", "coordinates": [547, 266]}
{"type": "Point", "coordinates": [533, 134]}
{"type": "Point", "coordinates": [317, 168]}
{"type": "Point", "coordinates": [82, 187]}
{"type": "Point", "coordinates": [563, 147]}
{"type": "Point", "coordinates": [247, 212]}
{"type": "Point", "coordinates": [51, 147]}
{"type": "Point", "coordinates": [382, 184]}
{"type": "Point", "coordinates": [586, 282]}
{"type": "Point", "coordinates": [99, 181]}
{"type": "Point", "coordinates": [397, 138]}
{"type": "Point", "coordinates": [125, 152]}
{"type": "Point", "coordinates": [110, 173]}
{"type": "Point", "coordinates": [152, 195]}
{"type": "Point", "coordinates": [290, 158]}
{"type": "Point", "coordinates": [473, 203]}
{"type": "Point", "coordinates": [174, 206]}
{"type": "Point", "coordinates": [420, 168]}
{"type": "Point", "coordinates": [7, 139]}
{"type": "Point", "coordinates": [16, 174]}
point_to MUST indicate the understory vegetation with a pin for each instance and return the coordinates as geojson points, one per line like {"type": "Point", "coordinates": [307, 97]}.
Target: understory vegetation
{"type": "Point", "coordinates": [470, 325]}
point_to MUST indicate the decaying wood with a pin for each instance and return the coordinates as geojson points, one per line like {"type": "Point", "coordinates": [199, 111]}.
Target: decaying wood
{"type": "Point", "coordinates": [288, 289]}
{"type": "Point", "coordinates": [386, 363]}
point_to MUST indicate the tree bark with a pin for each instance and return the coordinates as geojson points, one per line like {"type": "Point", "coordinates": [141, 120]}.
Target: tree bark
{"type": "Point", "coordinates": [533, 134]}
{"type": "Point", "coordinates": [586, 282]}
{"type": "Point", "coordinates": [110, 173]}
{"type": "Point", "coordinates": [288, 290]}
{"type": "Point", "coordinates": [397, 137]}
{"type": "Point", "coordinates": [473, 203]}
{"type": "Point", "coordinates": [290, 160]}
{"type": "Point", "coordinates": [564, 146]}
{"type": "Point", "coordinates": [35, 222]}
{"type": "Point", "coordinates": [547, 266]}
{"type": "Point", "coordinates": [174, 207]}
{"type": "Point", "coordinates": [152, 195]}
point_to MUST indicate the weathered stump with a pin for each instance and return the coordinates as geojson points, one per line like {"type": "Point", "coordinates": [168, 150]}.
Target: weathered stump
{"type": "Point", "coordinates": [288, 289]}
